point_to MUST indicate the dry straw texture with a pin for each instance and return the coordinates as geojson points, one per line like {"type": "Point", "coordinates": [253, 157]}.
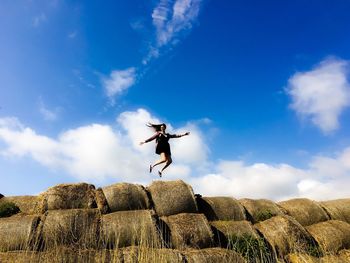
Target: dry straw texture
{"type": "Point", "coordinates": [331, 235]}
{"type": "Point", "coordinates": [18, 232]}
{"type": "Point", "coordinates": [260, 209]}
{"type": "Point", "coordinates": [285, 235]}
{"type": "Point", "coordinates": [101, 201]}
{"type": "Point", "coordinates": [213, 255]}
{"type": "Point", "coordinates": [305, 211]}
{"type": "Point", "coordinates": [301, 258]}
{"type": "Point", "coordinates": [124, 196]}
{"type": "Point", "coordinates": [221, 208]}
{"type": "Point", "coordinates": [189, 230]}
{"type": "Point", "coordinates": [338, 209]}
{"type": "Point", "coordinates": [172, 197]}
{"type": "Point", "coordinates": [72, 227]}
{"type": "Point", "coordinates": [27, 204]}
{"type": "Point", "coordinates": [126, 228]}
{"type": "Point", "coordinates": [70, 196]}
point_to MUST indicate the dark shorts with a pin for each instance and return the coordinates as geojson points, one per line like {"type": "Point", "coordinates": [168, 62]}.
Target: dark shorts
{"type": "Point", "coordinates": [163, 148]}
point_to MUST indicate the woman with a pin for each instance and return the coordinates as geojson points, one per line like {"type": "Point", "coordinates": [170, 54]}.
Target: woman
{"type": "Point", "coordinates": [162, 145]}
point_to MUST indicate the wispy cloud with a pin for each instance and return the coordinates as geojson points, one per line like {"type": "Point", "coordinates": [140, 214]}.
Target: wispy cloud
{"type": "Point", "coordinates": [170, 19]}
{"type": "Point", "coordinates": [322, 93]}
{"type": "Point", "coordinates": [48, 114]}
{"type": "Point", "coordinates": [119, 81]}
{"type": "Point", "coordinates": [72, 34]}
{"type": "Point", "coordinates": [38, 20]}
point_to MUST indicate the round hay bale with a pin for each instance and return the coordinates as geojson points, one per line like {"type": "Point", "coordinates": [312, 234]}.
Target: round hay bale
{"type": "Point", "coordinates": [260, 209]}
{"type": "Point", "coordinates": [220, 208]}
{"type": "Point", "coordinates": [71, 227]}
{"type": "Point", "coordinates": [144, 255]}
{"type": "Point", "coordinates": [124, 196]}
{"type": "Point", "coordinates": [305, 211]}
{"type": "Point", "coordinates": [212, 255]}
{"type": "Point", "coordinates": [18, 232]}
{"type": "Point", "coordinates": [332, 259]}
{"type": "Point", "coordinates": [189, 230]}
{"type": "Point", "coordinates": [101, 201]}
{"type": "Point", "coordinates": [331, 235]}
{"type": "Point", "coordinates": [345, 255]}
{"type": "Point", "coordinates": [70, 196]}
{"type": "Point", "coordinates": [338, 209]}
{"type": "Point", "coordinates": [30, 205]}
{"type": "Point", "coordinates": [126, 228]}
{"type": "Point", "coordinates": [285, 235]}
{"type": "Point", "coordinates": [301, 258]}
{"type": "Point", "coordinates": [172, 197]}
{"type": "Point", "coordinates": [241, 237]}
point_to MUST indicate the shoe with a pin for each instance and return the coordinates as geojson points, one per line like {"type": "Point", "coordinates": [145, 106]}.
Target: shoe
{"type": "Point", "coordinates": [150, 168]}
{"type": "Point", "coordinates": [160, 173]}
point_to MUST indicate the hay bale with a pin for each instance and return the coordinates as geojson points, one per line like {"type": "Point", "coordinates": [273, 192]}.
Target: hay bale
{"type": "Point", "coordinates": [189, 230]}
{"type": "Point", "coordinates": [124, 196]}
{"type": "Point", "coordinates": [71, 227]}
{"type": "Point", "coordinates": [27, 204]}
{"type": "Point", "coordinates": [1, 196]}
{"type": "Point", "coordinates": [331, 235]}
{"type": "Point", "coordinates": [212, 255]}
{"type": "Point", "coordinates": [70, 196]}
{"type": "Point", "coordinates": [20, 257]}
{"type": "Point", "coordinates": [305, 211]}
{"type": "Point", "coordinates": [172, 197]}
{"type": "Point", "coordinates": [345, 255]}
{"type": "Point", "coordinates": [220, 208]}
{"type": "Point", "coordinates": [18, 232]}
{"type": "Point", "coordinates": [101, 201]}
{"type": "Point", "coordinates": [285, 235]}
{"type": "Point", "coordinates": [144, 255]}
{"type": "Point", "coordinates": [126, 228]}
{"type": "Point", "coordinates": [260, 209]}
{"type": "Point", "coordinates": [301, 258]}
{"type": "Point", "coordinates": [241, 237]}
{"type": "Point", "coordinates": [338, 209]}
{"type": "Point", "coordinates": [332, 259]}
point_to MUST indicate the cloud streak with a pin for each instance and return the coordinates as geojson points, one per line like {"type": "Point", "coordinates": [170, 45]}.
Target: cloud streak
{"type": "Point", "coordinates": [119, 81]}
{"type": "Point", "coordinates": [321, 94]}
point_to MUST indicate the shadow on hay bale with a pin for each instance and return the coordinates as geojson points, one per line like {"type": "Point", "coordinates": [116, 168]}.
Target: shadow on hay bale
{"type": "Point", "coordinates": [220, 208]}
{"type": "Point", "coordinates": [285, 235]}
{"type": "Point", "coordinates": [305, 211]}
{"type": "Point", "coordinates": [125, 196]}
{"type": "Point", "coordinates": [70, 196]}
{"type": "Point", "coordinates": [172, 197]}
{"type": "Point", "coordinates": [78, 228]}
{"type": "Point", "coordinates": [31, 205]}
{"type": "Point", "coordinates": [338, 209]}
{"type": "Point", "coordinates": [212, 255]}
{"type": "Point", "coordinates": [189, 230]}
{"type": "Point", "coordinates": [260, 209]}
{"type": "Point", "coordinates": [127, 228]}
{"type": "Point", "coordinates": [332, 235]}
{"type": "Point", "coordinates": [18, 232]}
{"type": "Point", "coordinates": [241, 237]}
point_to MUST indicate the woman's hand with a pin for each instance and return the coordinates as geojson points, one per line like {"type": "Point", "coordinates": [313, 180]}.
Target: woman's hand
{"type": "Point", "coordinates": [142, 143]}
{"type": "Point", "coordinates": [187, 133]}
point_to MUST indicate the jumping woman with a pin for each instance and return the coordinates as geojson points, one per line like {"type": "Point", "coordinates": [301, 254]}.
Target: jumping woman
{"type": "Point", "coordinates": [162, 145]}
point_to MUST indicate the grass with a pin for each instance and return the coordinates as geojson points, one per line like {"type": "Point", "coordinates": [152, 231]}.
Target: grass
{"type": "Point", "coordinates": [8, 209]}
{"type": "Point", "coordinates": [263, 215]}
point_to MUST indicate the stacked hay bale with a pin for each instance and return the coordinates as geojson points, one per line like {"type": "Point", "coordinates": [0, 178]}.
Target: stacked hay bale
{"type": "Point", "coordinates": [305, 211]}
{"type": "Point", "coordinates": [338, 209]}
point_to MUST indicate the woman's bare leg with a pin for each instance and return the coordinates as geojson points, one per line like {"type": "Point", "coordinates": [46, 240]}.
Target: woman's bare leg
{"type": "Point", "coordinates": [168, 162]}
{"type": "Point", "coordinates": [162, 159]}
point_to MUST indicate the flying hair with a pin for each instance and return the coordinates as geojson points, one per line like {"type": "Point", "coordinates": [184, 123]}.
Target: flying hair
{"type": "Point", "coordinates": [155, 127]}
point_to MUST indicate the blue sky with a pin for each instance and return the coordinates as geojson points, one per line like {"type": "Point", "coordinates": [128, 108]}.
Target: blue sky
{"type": "Point", "coordinates": [263, 86]}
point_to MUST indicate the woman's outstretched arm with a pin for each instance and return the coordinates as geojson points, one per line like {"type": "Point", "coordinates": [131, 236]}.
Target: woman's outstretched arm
{"type": "Point", "coordinates": [150, 139]}
{"type": "Point", "coordinates": [179, 135]}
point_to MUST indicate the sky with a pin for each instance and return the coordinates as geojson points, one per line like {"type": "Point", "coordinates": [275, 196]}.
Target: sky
{"type": "Point", "coordinates": [262, 86]}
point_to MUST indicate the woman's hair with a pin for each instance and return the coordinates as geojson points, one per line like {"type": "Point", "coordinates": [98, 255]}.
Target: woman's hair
{"type": "Point", "coordinates": [155, 127]}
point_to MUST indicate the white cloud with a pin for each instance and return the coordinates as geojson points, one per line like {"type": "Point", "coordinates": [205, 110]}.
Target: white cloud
{"type": "Point", "coordinates": [322, 93]}
{"type": "Point", "coordinates": [72, 34]}
{"type": "Point", "coordinates": [38, 20]}
{"type": "Point", "coordinates": [119, 81]}
{"type": "Point", "coordinates": [96, 152]}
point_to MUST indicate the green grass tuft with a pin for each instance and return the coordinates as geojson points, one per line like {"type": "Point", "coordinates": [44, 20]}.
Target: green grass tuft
{"type": "Point", "coordinates": [8, 209]}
